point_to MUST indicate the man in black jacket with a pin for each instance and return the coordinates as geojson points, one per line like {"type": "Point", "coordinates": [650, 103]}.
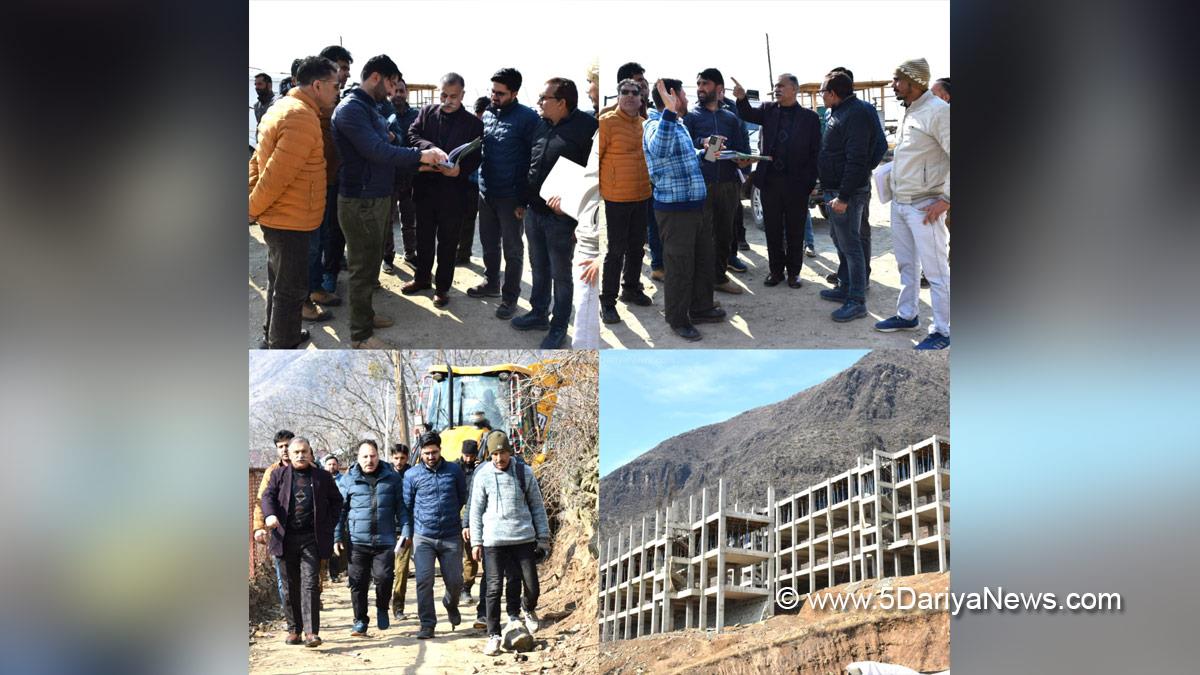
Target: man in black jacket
{"type": "Point", "coordinates": [792, 138]}
{"type": "Point", "coordinates": [845, 165]}
{"type": "Point", "coordinates": [301, 504]}
{"type": "Point", "coordinates": [565, 132]}
{"type": "Point", "coordinates": [441, 194]}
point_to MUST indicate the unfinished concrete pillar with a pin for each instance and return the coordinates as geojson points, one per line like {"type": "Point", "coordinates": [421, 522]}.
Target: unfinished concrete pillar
{"type": "Point", "coordinates": [703, 559]}
{"type": "Point", "coordinates": [938, 496]}
{"type": "Point", "coordinates": [631, 614]}
{"type": "Point", "coordinates": [772, 547]}
{"type": "Point", "coordinates": [720, 555]}
{"type": "Point", "coordinates": [691, 553]}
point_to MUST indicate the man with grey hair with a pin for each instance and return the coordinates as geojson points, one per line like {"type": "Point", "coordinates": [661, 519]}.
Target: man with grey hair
{"type": "Point", "coordinates": [920, 183]}
{"type": "Point", "coordinates": [791, 137]}
{"type": "Point", "coordinates": [300, 504]}
{"type": "Point", "coordinates": [439, 193]}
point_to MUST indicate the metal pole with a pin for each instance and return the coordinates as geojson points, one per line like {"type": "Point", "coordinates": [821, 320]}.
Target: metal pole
{"type": "Point", "coordinates": [770, 71]}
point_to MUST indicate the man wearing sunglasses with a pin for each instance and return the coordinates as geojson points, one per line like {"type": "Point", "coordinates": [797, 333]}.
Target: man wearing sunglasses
{"type": "Point", "coordinates": [565, 132]}
{"type": "Point", "coordinates": [625, 187]}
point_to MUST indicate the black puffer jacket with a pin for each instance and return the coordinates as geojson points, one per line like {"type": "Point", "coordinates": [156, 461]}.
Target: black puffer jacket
{"type": "Point", "coordinates": [570, 138]}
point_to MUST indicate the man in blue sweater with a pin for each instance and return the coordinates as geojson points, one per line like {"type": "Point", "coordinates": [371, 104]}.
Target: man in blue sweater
{"type": "Point", "coordinates": [508, 131]}
{"type": "Point", "coordinates": [365, 184]}
{"type": "Point", "coordinates": [678, 201]}
{"type": "Point", "coordinates": [721, 180]}
{"type": "Point", "coordinates": [509, 530]}
{"type": "Point", "coordinates": [434, 493]}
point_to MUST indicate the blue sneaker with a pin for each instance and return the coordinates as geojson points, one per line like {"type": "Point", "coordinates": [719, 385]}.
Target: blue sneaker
{"type": "Point", "coordinates": [896, 323]}
{"type": "Point", "coordinates": [382, 619]}
{"type": "Point", "coordinates": [555, 338]}
{"type": "Point", "coordinates": [853, 309]}
{"type": "Point", "coordinates": [735, 264]}
{"type": "Point", "coordinates": [360, 629]}
{"type": "Point", "coordinates": [835, 294]}
{"type": "Point", "coordinates": [530, 321]}
{"type": "Point", "coordinates": [934, 341]}
{"type": "Point", "coordinates": [329, 283]}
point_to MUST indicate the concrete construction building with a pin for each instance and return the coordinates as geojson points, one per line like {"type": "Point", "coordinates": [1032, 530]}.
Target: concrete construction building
{"type": "Point", "coordinates": [710, 564]}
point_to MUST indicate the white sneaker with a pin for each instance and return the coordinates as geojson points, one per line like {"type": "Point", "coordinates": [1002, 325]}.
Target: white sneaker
{"type": "Point", "coordinates": [531, 621]}
{"type": "Point", "coordinates": [514, 623]}
{"type": "Point", "coordinates": [493, 646]}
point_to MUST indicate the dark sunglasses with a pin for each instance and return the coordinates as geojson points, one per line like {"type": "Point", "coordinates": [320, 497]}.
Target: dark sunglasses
{"type": "Point", "coordinates": [631, 92]}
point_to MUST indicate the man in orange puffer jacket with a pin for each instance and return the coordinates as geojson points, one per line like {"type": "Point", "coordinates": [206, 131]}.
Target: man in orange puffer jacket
{"type": "Point", "coordinates": [625, 187]}
{"type": "Point", "coordinates": [287, 194]}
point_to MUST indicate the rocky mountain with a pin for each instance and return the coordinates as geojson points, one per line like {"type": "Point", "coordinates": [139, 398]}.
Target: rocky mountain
{"type": "Point", "coordinates": [888, 399]}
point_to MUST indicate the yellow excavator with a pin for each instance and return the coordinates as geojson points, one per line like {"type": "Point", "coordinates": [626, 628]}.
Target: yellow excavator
{"type": "Point", "coordinates": [458, 401]}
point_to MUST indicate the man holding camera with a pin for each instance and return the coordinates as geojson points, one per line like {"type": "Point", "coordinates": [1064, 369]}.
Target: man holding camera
{"type": "Point", "coordinates": [510, 529]}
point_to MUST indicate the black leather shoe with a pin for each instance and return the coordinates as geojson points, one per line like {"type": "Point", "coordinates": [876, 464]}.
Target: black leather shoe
{"type": "Point", "coordinates": [687, 332]}
{"type": "Point", "coordinates": [505, 310]}
{"type": "Point", "coordinates": [304, 336]}
{"type": "Point", "coordinates": [440, 299]}
{"type": "Point", "coordinates": [608, 314]}
{"type": "Point", "coordinates": [638, 298]}
{"type": "Point", "coordinates": [831, 278]}
{"type": "Point", "coordinates": [773, 280]}
{"type": "Point", "coordinates": [794, 282]}
{"type": "Point", "coordinates": [714, 315]}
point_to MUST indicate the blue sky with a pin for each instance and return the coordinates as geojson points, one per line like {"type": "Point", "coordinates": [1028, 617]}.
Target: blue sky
{"type": "Point", "coordinates": [646, 398]}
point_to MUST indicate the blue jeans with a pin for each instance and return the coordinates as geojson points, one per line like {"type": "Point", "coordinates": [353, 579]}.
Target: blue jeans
{"type": "Point", "coordinates": [808, 235]}
{"type": "Point", "coordinates": [448, 553]}
{"type": "Point", "coordinates": [852, 268]}
{"type": "Point", "coordinates": [652, 238]}
{"type": "Point", "coordinates": [324, 246]}
{"type": "Point", "coordinates": [551, 245]}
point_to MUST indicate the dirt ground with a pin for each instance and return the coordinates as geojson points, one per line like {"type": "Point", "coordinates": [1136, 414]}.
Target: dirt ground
{"type": "Point", "coordinates": [397, 650]}
{"type": "Point", "coordinates": [808, 642]}
{"type": "Point", "coordinates": [775, 318]}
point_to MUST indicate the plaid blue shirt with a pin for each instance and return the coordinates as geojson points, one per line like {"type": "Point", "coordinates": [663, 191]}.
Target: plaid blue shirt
{"type": "Point", "coordinates": [674, 163]}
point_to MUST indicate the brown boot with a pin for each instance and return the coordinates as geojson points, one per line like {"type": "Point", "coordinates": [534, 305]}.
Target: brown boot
{"type": "Point", "coordinates": [309, 311]}
{"type": "Point", "coordinates": [728, 287]}
{"type": "Point", "coordinates": [657, 275]}
{"type": "Point", "coordinates": [293, 639]}
{"type": "Point", "coordinates": [313, 641]}
{"type": "Point", "coordinates": [414, 287]}
{"type": "Point", "coordinates": [382, 321]}
{"type": "Point", "coordinates": [322, 297]}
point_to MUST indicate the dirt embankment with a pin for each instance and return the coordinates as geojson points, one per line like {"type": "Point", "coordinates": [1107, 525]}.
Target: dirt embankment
{"type": "Point", "coordinates": [810, 642]}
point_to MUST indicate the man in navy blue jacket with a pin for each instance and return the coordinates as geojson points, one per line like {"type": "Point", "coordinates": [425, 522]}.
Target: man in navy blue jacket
{"type": "Point", "coordinates": [440, 194]}
{"type": "Point", "coordinates": [721, 179]}
{"type": "Point", "coordinates": [371, 520]}
{"type": "Point", "coordinates": [365, 183]}
{"type": "Point", "coordinates": [508, 129]}
{"type": "Point", "coordinates": [847, 151]}
{"type": "Point", "coordinates": [434, 493]}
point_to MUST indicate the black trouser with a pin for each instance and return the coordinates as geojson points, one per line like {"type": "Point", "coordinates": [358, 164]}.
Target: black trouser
{"type": "Point", "coordinates": [500, 227]}
{"type": "Point", "coordinates": [287, 285]}
{"type": "Point", "coordinates": [404, 211]}
{"type": "Point", "coordinates": [466, 233]}
{"type": "Point", "coordinates": [739, 229]}
{"type": "Point", "coordinates": [720, 208]}
{"type": "Point", "coordinates": [512, 594]}
{"type": "Point", "coordinates": [439, 217]}
{"type": "Point", "coordinates": [784, 210]}
{"type": "Point", "coordinates": [864, 235]}
{"type": "Point", "coordinates": [626, 225]}
{"type": "Point", "coordinates": [688, 261]}
{"type": "Point", "coordinates": [379, 561]}
{"type": "Point", "coordinates": [301, 570]}
{"type": "Point", "coordinates": [498, 561]}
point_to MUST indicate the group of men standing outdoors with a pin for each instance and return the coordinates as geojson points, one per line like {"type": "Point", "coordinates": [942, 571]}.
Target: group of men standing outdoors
{"type": "Point", "coordinates": [664, 182]}
{"type": "Point", "coordinates": [382, 160]}
{"type": "Point", "coordinates": [379, 514]}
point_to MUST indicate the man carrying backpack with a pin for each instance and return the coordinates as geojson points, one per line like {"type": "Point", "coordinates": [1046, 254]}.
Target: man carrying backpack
{"type": "Point", "coordinates": [509, 530]}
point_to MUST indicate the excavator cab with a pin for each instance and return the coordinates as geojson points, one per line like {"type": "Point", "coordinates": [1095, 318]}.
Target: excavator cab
{"type": "Point", "coordinates": [505, 394]}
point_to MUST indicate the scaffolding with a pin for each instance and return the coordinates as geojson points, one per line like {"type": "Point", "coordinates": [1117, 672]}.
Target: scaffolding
{"type": "Point", "coordinates": [716, 564]}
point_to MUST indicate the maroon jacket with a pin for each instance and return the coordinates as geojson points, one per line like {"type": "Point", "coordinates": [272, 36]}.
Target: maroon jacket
{"type": "Point", "coordinates": [327, 506]}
